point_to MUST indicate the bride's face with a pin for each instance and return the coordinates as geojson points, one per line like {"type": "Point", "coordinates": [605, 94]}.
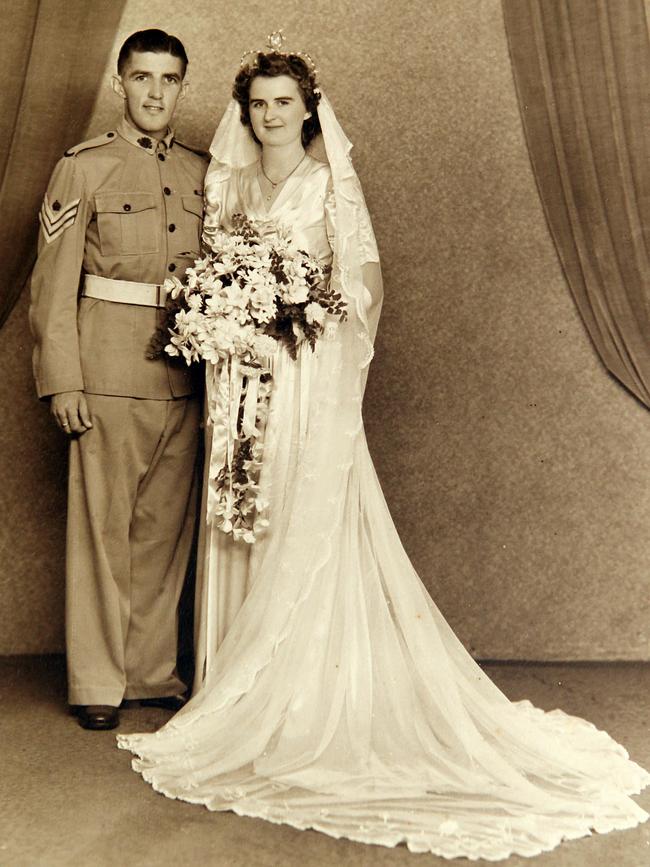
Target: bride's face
{"type": "Point", "coordinates": [277, 109]}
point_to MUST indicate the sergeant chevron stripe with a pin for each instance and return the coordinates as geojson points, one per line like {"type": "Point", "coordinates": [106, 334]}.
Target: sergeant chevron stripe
{"type": "Point", "coordinates": [55, 219]}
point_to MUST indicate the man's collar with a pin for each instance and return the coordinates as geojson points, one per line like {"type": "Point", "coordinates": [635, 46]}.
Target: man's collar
{"type": "Point", "coordinates": [139, 139]}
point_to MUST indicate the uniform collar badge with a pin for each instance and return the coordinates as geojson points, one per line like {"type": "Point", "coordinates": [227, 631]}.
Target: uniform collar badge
{"type": "Point", "coordinates": [145, 142]}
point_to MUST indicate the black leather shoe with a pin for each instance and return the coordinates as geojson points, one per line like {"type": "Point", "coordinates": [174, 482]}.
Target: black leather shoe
{"type": "Point", "coordinates": [168, 702]}
{"type": "Point", "coordinates": [97, 717]}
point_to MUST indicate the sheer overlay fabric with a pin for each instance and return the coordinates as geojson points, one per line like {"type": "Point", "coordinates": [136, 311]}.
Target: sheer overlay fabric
{"type": "Point", "coordinates": [331, 693]}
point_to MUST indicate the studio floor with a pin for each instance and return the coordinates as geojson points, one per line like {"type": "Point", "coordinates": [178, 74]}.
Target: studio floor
{"type": "Point", "coordinates": [68, 797]}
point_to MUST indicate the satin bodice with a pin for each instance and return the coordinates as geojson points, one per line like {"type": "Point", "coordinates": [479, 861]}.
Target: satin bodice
{"type": "Point", "coordinates": [305, 205]}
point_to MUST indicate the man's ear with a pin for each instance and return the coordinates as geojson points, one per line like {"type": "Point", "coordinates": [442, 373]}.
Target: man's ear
{"type": "Point", "coordinates": [118, 87]}
{"type": "Point", "coordinates": [184, 85]}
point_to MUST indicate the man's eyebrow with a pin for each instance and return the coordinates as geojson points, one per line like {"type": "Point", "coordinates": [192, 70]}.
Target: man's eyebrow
{"type": "Point", "coordinates": [148, 72]}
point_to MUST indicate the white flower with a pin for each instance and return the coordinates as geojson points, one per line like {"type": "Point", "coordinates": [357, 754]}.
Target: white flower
{"type": "Point", "coordinates": [295, 292]}
{"type": "Point", "coordinates": [264, 346]}
{"type": "Point", "coordinates": [257, 258]}
{"type": "Point", "coordinates": [263, 307]}
{"type": "Point", "coordinates": [226, 264]}
{"type": "Point", "coordinates": [296, 268]}
{"type": "Point", "coordinates": [211, 284]}
{"type": "Point", "coordinates": [235, 296]}
{"type": "Point", "coordinates": [314, 313]}
{"type": "Point", "coordinates": [173, 286]}
{"type": "Point", "coordinates": [191, 278]}
{"type": "Point", "coordinates": [215, 305]}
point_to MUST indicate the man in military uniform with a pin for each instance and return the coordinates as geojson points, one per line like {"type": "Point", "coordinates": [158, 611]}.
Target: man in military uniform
{"type": "Point", "coordinates": [121, 213]}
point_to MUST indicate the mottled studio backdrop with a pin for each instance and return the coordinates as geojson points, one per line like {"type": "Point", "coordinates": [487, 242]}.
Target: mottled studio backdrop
{"type": "Point", "coordinates": [517, 471]}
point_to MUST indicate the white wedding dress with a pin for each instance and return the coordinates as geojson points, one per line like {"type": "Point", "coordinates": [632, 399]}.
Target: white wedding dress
{"type": "Point", "coordinates": [332, 694]}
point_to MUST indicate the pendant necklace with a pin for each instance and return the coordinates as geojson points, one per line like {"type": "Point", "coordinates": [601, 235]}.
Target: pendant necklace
{"type": "Point", "coordinates": [282, 180]}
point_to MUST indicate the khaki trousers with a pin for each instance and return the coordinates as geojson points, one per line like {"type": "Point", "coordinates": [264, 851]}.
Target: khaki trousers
{"type": "Point", "coordinates": [131, 514]}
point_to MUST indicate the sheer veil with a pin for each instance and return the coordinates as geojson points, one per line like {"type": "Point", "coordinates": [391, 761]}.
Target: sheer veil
{"type": "Point", "coordinates": [340, 699]}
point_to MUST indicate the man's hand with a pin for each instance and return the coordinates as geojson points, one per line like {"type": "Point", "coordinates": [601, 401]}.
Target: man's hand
{"type": "Point", "coordinates": [70, 410]}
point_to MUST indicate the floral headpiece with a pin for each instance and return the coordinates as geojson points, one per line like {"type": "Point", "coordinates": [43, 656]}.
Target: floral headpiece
{"type": "Point", "coordinates": [274, 43]}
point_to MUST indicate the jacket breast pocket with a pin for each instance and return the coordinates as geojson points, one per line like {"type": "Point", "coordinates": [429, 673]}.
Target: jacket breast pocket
{"type": "Point", "coordinates": [128, 224]}
{"type": "Point", "coordinates": [192, 223]}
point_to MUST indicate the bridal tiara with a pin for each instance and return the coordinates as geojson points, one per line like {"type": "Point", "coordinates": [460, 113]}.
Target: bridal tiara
{"type": "Point", "coordinates": [274, 43]}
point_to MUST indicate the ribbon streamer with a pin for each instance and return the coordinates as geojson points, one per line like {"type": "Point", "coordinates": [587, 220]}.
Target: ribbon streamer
{"type": "Point", "coordinates": [250, 402]}
{"type": "Point", "coordinates": [231, 388]}
{"type": "Point", "coordinates": [236, 387]}
{"type": "Point", "coordinates": [218, 394]}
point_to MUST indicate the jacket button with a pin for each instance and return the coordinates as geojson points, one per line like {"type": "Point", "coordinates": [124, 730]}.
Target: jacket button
{"type": "Point", "coordinates": [172, 267]}
{"type": "Point", "coordinates": [127, 207]}
{"type": "Point", "coordinates": [172, 227]}
{"type": "Point", "coordinates": [161, 157]}
{"type": "Point", "coordinates": [167, 191]}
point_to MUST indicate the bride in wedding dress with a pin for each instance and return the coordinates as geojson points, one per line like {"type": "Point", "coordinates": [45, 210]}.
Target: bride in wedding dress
{"type": "Point", "coordinates": [331, 694]}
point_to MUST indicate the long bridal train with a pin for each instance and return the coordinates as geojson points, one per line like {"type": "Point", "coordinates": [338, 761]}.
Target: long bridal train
{"type": "Point", "coordinates": [341, 700]}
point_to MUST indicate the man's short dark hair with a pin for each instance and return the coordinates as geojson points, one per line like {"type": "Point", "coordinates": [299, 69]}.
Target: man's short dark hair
{"type": "Point", "coordinates": [153, 40]}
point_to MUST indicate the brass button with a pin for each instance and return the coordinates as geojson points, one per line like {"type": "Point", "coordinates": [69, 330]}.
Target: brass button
{"type": "Point", "coordinates": [161, 157]}
{"type": "Point", "coordinates": [127, 207]}
{"type": "Point", "coordinates": [172, 227]}
{"type": "Point", "coordinates": [172, 267]}
{"type": "Point", "coordinates": [167, 191]}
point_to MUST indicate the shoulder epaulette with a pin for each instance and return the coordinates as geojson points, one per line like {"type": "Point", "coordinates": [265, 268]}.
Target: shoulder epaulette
{"type": "Point", "coordinates": [197, 151]}
{"type": "Point", "coordinates": [92, 143]}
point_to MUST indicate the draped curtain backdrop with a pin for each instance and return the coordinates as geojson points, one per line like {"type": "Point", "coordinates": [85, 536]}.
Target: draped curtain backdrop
{"type": "Point", "coordinates": [54, 54]}
{"type": "Point", "coordinates": [582, 72]}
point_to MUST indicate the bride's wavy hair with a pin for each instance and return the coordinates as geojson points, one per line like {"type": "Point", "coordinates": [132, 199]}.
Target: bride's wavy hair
{"type": "Point", "coordinates": [272, 64]}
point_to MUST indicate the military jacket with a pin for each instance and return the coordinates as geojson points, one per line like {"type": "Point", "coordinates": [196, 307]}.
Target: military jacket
{"type": "Point", "coordinates": [122, 206]}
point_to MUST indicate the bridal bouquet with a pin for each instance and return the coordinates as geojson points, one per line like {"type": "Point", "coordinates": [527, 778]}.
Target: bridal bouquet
{"type": "Point", "coordinates": [252, 291]}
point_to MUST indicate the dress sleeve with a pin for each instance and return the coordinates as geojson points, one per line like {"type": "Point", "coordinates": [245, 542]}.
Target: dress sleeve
{"type": "Point", "coordinates": [369, 255]}
{"type": "Point", "coordinates": [330, 213]}
{"type": "Point", "coordinates": [63, 218]}
{"type": "Point", "coordinates": [367, 242]}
